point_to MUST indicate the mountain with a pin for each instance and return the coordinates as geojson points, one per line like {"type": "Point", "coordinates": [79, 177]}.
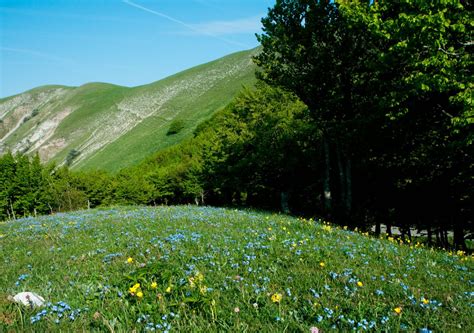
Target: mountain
{"type": "Point", "coordinates": [105, 126]}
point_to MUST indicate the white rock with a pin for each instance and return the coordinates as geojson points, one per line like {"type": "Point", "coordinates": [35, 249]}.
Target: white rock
{"type": "Point", "coordinates": [29, 298]}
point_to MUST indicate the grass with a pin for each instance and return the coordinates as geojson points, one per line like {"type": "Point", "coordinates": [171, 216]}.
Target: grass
{"type": "Point", "coordinates": [115, 127]}
{"type": "Point", "coordinates": [211, 269]}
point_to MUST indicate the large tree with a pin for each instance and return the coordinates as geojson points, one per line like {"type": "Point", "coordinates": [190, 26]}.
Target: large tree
{"type": "Point", "coordinates": [310, 48]}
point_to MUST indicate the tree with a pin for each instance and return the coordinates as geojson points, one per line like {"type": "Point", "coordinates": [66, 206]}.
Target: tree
{"type": "Point", "coordinates": [393, 77]}
{"type": "Point", "coordinates": [424, 70]}
{"type": "Point", "coordinates": [253, 150]}
{"type": "Point", "coordinates": [312, 49]}
{"type": "Point", "coordinates": [7, 175]}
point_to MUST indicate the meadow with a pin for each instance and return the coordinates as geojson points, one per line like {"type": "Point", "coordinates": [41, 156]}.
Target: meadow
{"type": "Point", "coordinates": [195, 269]}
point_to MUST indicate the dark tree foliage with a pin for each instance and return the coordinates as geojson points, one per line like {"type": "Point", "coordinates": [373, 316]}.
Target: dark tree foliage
{"type": "Point", "coordinates": [389, 83]}
{"type": "Point", "coordinates": [71, 156]}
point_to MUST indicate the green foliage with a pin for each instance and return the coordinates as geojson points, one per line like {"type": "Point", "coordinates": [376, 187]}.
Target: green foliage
{"type": "Point", "coordinates": [389, 86]}
{"type": "Point", "coordinates": [254, 148]}
{"type": "Point", "coordinates": [175, 127]}
{"type": "Point", "coordinates": [73, 153]}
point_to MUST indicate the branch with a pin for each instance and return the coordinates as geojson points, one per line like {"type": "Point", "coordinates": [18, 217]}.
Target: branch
{"type": "Point", "coordinates": [448, 53]}
{"type": "Point", "coordinates": [445, 112]}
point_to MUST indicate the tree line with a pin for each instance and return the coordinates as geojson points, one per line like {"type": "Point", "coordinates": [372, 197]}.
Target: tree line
{"type": "Point", "coordinates": [363, 114]}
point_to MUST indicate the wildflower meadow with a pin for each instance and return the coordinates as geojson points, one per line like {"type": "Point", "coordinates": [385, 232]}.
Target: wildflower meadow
{"type": "Point", "coordinates": [202, 269]}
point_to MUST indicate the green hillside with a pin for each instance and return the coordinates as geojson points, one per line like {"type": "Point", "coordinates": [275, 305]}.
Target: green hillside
{"type": "Point", "coordinates": [112, 126]}
{"type": "Point", "coordinates": [202, 269]}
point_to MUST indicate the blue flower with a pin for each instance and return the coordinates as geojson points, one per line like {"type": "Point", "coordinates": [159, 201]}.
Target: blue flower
{"type": "Point", "coordinates": [379, 292]}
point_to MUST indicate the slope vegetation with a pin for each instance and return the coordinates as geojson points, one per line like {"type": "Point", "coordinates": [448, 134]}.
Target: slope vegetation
{"type": "Point", "coordinates": [104, 126]}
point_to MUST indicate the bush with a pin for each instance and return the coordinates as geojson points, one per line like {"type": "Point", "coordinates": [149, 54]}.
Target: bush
{"type": "Point", "coordinates": [175, 127]}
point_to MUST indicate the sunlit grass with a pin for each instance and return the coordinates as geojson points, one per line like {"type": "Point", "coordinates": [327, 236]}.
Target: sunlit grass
{"type": "Point", "coordinates": [208, 269]}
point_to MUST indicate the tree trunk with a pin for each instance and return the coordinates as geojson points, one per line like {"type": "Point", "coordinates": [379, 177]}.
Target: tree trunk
{"type": "Point", "coordinates": [445, 238]}
{"type": "Point", "coordinates": [377, 228]}
{"type": "Point", "coordinates": [389, 228]}
{"type": "Point", "coordinates": [342, 179]}
{"type": "Point", "coordinates": [327, 178]}
{"type": "Point", "coordinates": [285, 208]}
{"type": "Point", "coordinates": [13, 211]}
{"type": "Point", "coordinates": [459, 242]}
{"type": "Point", "coordinates": [348, 185]}
{"type": "Point", "coordinates": [430, 236]}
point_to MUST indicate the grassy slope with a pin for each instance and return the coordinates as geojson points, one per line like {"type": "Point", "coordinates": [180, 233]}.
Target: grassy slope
{"type": "Point", "coordinates": [150, 136]}
{"type": "Point", "coordinates": [217, 270]}
{"type": "Point", "coordinates": [192, 96]}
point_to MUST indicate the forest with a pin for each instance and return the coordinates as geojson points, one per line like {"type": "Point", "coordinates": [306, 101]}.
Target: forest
{"type": "Point", "coordinates": [363, 115]}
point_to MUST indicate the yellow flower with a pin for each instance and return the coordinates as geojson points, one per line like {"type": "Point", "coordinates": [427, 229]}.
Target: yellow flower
{"type": "Point", "coordinates": [360, 284]}
{"type": "Point", "coordinates": [199, 277]}
{"type": "Point", "coordinates": [276, 297]}
{"type": "Point", "coordinates": [425, 301]}
{"type": "Point", "coordinates": [134, 289]}
{"type": "Point", "coordinates": [398, 310]}
{"type": "Point", "coordinates": [168, 290]}
{"type": "Point", "coordinates": [130, 260]}
{"type": "Point", "coordinates": [154, 285]}
{"type": "Point", "coordinates": [322, 264]}
{"type": "Point", "coordinates": [139, 294]}
{"type": "Point", "coordinates": [191, 282]}
{"type": "Point", "coordinates": [203, 289]}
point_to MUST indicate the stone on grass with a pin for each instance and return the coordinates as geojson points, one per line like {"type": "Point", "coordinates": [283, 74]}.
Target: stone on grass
{"type": "Point", "coordinates": [28, 298]}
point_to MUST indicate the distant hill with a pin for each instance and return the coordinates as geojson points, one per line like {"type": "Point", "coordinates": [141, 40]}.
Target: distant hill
{"type": "Point", "coordinates": [104, 126]}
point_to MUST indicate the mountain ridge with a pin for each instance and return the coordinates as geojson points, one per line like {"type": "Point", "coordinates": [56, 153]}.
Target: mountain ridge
{"type": "Point", "coordinates": [107, 126]}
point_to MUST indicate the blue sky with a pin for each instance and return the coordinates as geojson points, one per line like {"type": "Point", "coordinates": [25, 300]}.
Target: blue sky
{"type": "Point", "coordinates": [126, 42]}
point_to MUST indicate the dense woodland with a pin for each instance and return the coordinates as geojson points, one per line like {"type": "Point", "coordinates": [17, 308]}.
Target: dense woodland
{"type": "Point", "coordinates": [363, 114]}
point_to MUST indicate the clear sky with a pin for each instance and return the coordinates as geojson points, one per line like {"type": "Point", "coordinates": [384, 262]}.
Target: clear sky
{"type": "Point", "coordinates": [126, 42]}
